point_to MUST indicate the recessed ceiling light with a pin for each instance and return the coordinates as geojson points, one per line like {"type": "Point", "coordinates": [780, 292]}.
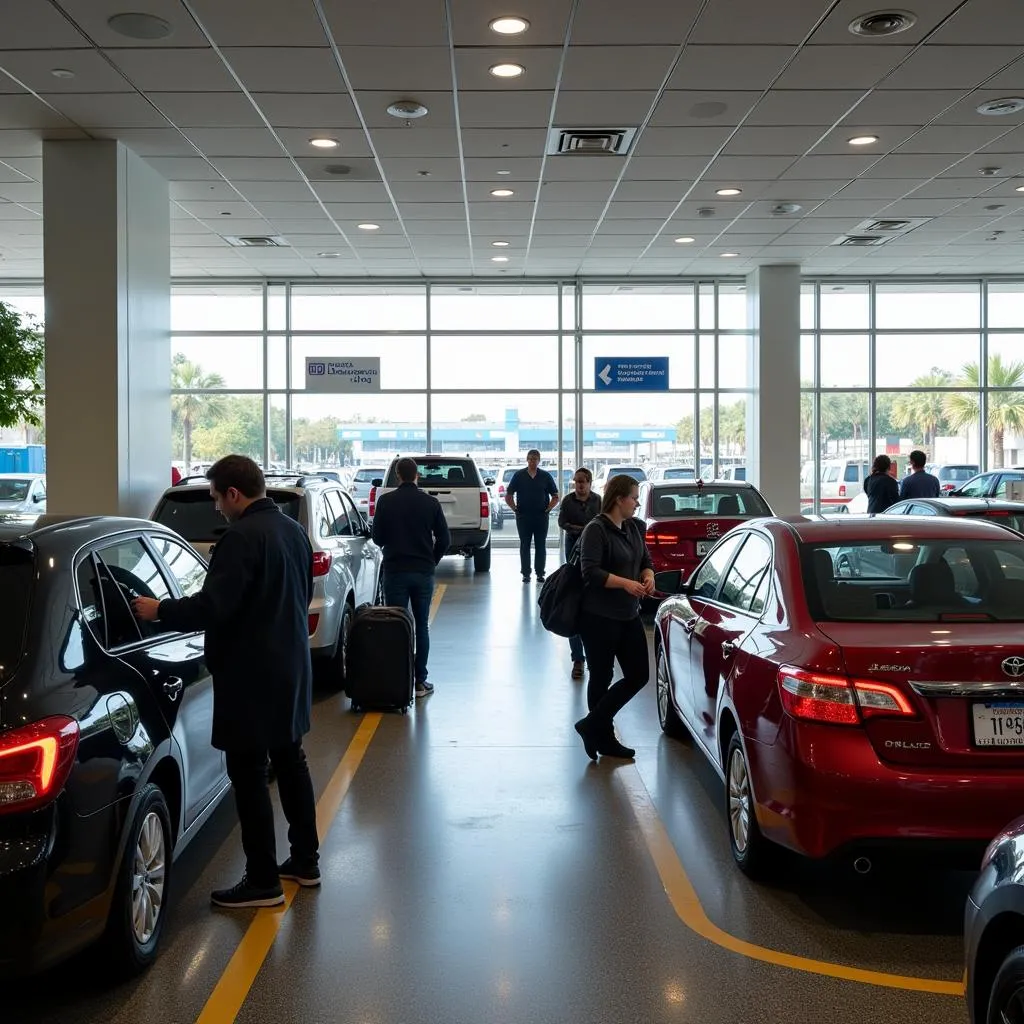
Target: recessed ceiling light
{"type": "Point", "coordinates": [728, 191]}
{"type": "Point", "coordinates": [321, 142]}
{"type": "Point", "coordinates": [1019, 188]}
{"type": "Point", "coordinates": [508, 70]}
{"type": "Point", "coordinates": [862, 140]}
{"type": "Point", "coordinates": [329, 255]}
{"type": "Point", "coordinates": [882, 23]}
{"type": "Point", "coordinates": [503, 172]}
{"type": "Point", "coordinates": [989, 172]}
{"type": "Point", "coordinates": [499, 245]}
{"type": "Point", "coordinates": [368, 227]}
{"type": "Point", "coordinates": [1001, 107]}
{"type": "Point", "coordinates": [509, 26]}
{"type": "Point", "coordinates": [62, 73]}
{"type": "Point", "coordinates": [499, 259]}
{"type": "Point", "coordinates": [685, 240]}
{"type": "Point", "coordinates": [502, 193]}
{"type": "Point", "coordinates": [407, 110]}
{"type": "Point", "coordinates": [727, 255]}
{"type": "Point", "coordinates": [139, 26]}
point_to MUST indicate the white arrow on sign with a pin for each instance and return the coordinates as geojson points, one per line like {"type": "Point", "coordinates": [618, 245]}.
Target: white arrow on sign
{"type": "Point", "coordinates": [606, 375]}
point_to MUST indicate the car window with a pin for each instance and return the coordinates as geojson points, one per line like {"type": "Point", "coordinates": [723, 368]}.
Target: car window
{"type": "Point", "coordinates": [976, 488]}
{"type": "Point", "coordinates": [705, 583]}
{"type": "Point", "coordinates": [957, 474]}
{"type": "Point", "coordinates": [830, 475]}
{"type": "Point", "coordinates": [188, 571]}
{"type": "Point", "coordinates": [127, 570]}
{"type": "Point", "coordinates": [683, 500]}
{"type": "Point", "coordinates": [193, 515]}
{"type": "Point", "coordinates": [964, 576]}
{"type": "Point", "coordinates": [17, 574]}
{"type": "Point", "coordinates": [91, 600]}
{"type": "Point", "coordinates": [354, 516]}
{"type": "Point", "coordinates": [920, 510]}
{"type": "Point", "coordinates": [746, 572]}
{"type": "Point", "coordinates": [683, 473]}
{"type": "Point", "coordinates": [850, 475]}
{"type": "Point", "coordinates": [340, 526]}
{"type": "Point", "coordinates": [1004, 479]}
{"type": "Point", "coordinates": [14, 490]}
{"type": "Point", "coordinates": [441, 473]}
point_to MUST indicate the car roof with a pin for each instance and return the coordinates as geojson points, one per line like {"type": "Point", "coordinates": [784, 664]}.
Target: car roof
{"type": "Point", "coordinates": [295, 482]}
{"type": "Point", "coordinates": [57, 530]}
{"type": "Point", "coordinates": [816, 529]}
{"type": "Point", "coordinates": [963, 506]}
{"type": "Point", "coordinates": [22, 476]}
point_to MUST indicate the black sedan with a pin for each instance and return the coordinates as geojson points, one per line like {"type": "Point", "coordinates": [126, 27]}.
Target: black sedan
{"type": "Point", "coordinates": [994, 933]}
{"type": "Point", "coordinates": [106, 768]}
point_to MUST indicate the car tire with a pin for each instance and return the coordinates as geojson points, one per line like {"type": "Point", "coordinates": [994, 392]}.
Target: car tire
{"type": "Point", "coordinates": [336, 672]}
{"type": "Point", "coordinates": [141, 889]}
{"type": "Point", "coordinates": [482, 559]}
{"type": "Point", "coordinates": [671, 723]}
{"type": "Point", "coordinates": [498, 523]}
{"type": "Point", "coordinates": [751, 851]}
{"type": "Point", "coordinates": [1006, 1000]}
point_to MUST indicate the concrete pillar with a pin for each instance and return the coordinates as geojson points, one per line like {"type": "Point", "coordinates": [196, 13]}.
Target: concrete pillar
{"type": "Point", "coordinates": [107, 290]}
{"type": "Point", "coordinates": [773, 459]}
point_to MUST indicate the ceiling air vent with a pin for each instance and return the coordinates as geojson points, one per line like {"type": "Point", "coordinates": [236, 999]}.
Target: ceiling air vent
{"type": "Point", "coordinates": [255, 241]}
{"type": "Point", "coordinates": [590, 141]}
{"type": "Point", "coordinates": [888, 225]}
{"type": "Point", "coordinates": [861, 240]}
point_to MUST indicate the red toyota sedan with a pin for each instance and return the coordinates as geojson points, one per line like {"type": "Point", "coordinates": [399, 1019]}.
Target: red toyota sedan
{"type": "Point", "coordinates": [684, 519]}
{"type": "Point", "coordinates": [858, 683]}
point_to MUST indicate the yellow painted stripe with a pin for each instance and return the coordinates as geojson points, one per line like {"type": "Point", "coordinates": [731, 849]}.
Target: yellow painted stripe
{"type": "Point", "coordinates": [227, 998]}
{"type": "Point", "coordinates": [436, 601]}
{"type": "Point", "coordinates": [687, 905]}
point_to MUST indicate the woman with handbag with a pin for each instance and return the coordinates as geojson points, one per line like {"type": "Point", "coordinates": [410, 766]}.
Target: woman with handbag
{"type": "Point", "coordinates": [617, 572]}
{"type": "Point", "coordinates": [576, 510]}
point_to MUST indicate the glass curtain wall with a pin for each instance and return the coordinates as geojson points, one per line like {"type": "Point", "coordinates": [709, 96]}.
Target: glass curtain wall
{"type": "Point", "coordinates": [28, 301]}
{"type": "Point", "coordinates": [890, 366]}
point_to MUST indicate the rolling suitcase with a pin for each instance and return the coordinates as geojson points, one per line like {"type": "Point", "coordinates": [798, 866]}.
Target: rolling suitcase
{"type": "Point", "coordinates": [379, 669]}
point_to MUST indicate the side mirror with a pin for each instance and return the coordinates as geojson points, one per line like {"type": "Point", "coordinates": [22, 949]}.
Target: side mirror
{"type": "Point", "coordinates": [37, 497]}
{"type": "Point", "coordinates": [489, 482]}
{"type": "Point", "coordinates": [668, 582]}
{"type": "Point", "coordinates": [377, 482]}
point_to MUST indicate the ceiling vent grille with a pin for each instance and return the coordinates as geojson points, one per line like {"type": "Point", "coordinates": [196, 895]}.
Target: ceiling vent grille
{"type": "Point", "coordinates": [889, 225]}
{"type": "Point", "coordinates": [590, 141]}
{"type": "Point", "coordinates": [255, 241]}
{"type": "Point", "coordinates": [862, 240]}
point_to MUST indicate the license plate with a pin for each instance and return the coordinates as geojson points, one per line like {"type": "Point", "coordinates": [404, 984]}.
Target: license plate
{"type": "Point", "coordinates": [703, 547]}
{"type": "Point", "coordinates": [999, 725]}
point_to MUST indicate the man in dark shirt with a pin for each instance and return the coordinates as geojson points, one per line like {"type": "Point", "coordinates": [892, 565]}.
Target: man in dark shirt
{"type": "Point", "coordinates": [409, 525]}
{"type": "Point", "coordinates": [532, 494]}
{"type": "Point", "coordinates": [254, 608]}
{"type": "Point", "coordinates": [881, 489]}
{"type": "Point", "coordinates": [919, 484]}
{"type": "Point", "coordinates": [575, 511]}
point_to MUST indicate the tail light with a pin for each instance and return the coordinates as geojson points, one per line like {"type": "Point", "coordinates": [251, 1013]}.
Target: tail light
{"type": "Point", "coordinates": [655, 537]}
{"type": "Point", "coordinates": [501, 490]}
{"type": "Point", "coordinates": [314, 621]}
{"type": "Point", "coordinates": [371, 502]}
{"type": "Point", "coordinates": [837, 700]}
{"type": "Point", "coordinates": [35, 762]}
{"type": "Point", "coordinates": [485, 505]}
{"type": "Point", "coordinates": [321, 563]}
{"type": "Point", "coordinates": [842, 490]}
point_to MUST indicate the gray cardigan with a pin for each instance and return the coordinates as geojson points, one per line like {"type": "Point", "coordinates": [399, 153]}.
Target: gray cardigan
{"type": "Point", "coordinates": [607, 550]}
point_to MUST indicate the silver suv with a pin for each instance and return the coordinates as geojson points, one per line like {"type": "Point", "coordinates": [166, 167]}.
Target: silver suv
{"type": "Point", "coordinates": [346, 562]}
{"type": "Point", "coordinates": [360, 484]}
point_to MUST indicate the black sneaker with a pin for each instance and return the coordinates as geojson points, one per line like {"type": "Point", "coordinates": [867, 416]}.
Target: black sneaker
{"type": "Point", "coordinates": [246, 895]}
{"type": "Point", "coordinates": [424, 689]}
{"type": "Point", "coordinates": [540, 577]}
{"type": "Point", "coordinates": [526, 577]}
{"type": "Point", "coordinates": [307, 875]}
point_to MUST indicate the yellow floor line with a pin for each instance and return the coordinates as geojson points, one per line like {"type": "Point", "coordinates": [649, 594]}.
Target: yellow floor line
{"type": "Point", "coordinates": [687, 905]}
{"type": "Point", "coordinates": [436, 601]}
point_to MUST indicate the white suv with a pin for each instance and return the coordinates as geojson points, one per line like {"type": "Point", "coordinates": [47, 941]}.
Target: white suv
{"type": "Point", "coordinates": [360, 484]}
{"type": "Point", "coordinates": [458, 486]}
{"type": "Point", "coordinates": [346, 562]}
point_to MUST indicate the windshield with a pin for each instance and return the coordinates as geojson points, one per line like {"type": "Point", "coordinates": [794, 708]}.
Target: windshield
{"type": "Point", "coordinates": [1014, 520]}
{"type": "Point", "coordinates": [14, 490]}
{"type": "Point", "coordinates": [441, 473]}
{"type": "Point", "coordinates": [367, 476]}
{"type": "Point", "coordinates": [957, 472]}
{"type": "Point", "coordinates": [634, 471]}
{"type": "Point", "coordinates": [708, 501]}
{"type": "Point", "coordinates": [17, 570]}
{"type": "Point", "coordinates": [682, 473]}
{"type": "Point", "coordinates": [908, 581]}
{"type": "Point", "coordinates": [193, 515]}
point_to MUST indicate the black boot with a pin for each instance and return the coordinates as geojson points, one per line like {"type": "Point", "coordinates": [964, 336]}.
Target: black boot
{"type": "Point", "coordinates": [589, 735]}
{"type": "Point", "coordinates": [609, 746]}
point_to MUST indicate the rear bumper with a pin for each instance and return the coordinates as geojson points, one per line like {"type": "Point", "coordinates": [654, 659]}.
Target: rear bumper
{"type": "Point", "coordinates": [669, 563]}
{"type": "Point", "coordinates": [323, 639]}
{"type": "Point", "coordinates": [463, 541]}
{"type": "Point", "coordinates": [822, 790]}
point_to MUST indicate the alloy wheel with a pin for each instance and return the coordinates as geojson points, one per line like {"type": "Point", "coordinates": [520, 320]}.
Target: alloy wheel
{"type": "Point", "coordinates": [148, 877]}
{"type": "Point", "coordinates": [662, 684]}
{"type": "Point", "coordinates": [739, 801]}
{"type": "Point", "coordinates": [1012, 1011]}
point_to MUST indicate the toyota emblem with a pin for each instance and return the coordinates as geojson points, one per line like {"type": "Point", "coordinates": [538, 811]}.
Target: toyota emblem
{"type": "Point", "coordinates": [1014, 667]}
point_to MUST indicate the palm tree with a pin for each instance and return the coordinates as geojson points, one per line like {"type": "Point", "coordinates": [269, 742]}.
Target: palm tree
{"type": "Point", "coordinates": [921, 409]}
{"type": "Point", "coordinates": [1005, 401]}
{"type": "Point", "coordinates": [189, 409]}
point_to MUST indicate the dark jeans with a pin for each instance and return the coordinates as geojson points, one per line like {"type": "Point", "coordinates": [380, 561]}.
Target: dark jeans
{"type": "Point", "coordinates": [575, 642]}
{"type": "Point", "coordinates": [533, 528]}
{"type": "Point", "coordinates": [247, 770]}
{"type": "Point", "coordinates": [413, 590]}
{"type": "Point", "coordinates": [605, 640]}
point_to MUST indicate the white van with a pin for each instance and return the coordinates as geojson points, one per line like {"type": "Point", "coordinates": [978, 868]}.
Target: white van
{"type": "Point", "coordinates": [842, 479]}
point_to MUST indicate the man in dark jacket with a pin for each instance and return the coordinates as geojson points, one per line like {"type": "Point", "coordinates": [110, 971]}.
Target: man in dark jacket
{"type": "Point", "coordinates": [881, 489]}
{"type": "Point", "coordinates": [254, 610]}
{"type": "Point", "coordinates": [409, 525]}
{"type": "Point", "coordinates": [918, 483]}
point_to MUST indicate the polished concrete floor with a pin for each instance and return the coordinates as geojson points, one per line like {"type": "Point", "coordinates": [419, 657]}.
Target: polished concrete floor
{"type": "Point", "coordinates": [481, 869]}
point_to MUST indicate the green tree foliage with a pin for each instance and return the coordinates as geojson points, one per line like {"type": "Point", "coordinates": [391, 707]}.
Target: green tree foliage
{"type": "Point", "coordinates": [923, 411]}
{"type": "Point", "coordinates": [1005, 409]}
{"type": "Point", "coordinates": [21, 369]}
{"type": "Point", "coordinates": [189, 410]}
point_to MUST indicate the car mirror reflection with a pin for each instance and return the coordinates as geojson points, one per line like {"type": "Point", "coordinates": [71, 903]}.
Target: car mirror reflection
{"type": "Point", "coordinates": [377, 482]}
{"type": "Point", "coordinates": [668, 582]}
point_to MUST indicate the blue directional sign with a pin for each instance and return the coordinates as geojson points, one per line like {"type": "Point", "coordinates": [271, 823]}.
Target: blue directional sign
{"type": "Point", "coordinates": [636, 373]}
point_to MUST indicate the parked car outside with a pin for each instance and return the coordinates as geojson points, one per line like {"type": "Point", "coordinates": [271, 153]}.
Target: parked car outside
{"type": "Point", "coordinates": [22, 492]}
{"type": "Point", "coordinates": [684, 520]}
{"type": "Point", "coordinates": [497, 495]}
{"type": "Point", "coordinates": [1003, 513]}
{"type": "Point", "coordinates": [991, 484]}
{"type": "Point", "coordinates": [841, 479]}
{"type": "Point", "coordinates": [950, 476]}
{"type": "Point", "coordinates": [346, 562]}
{"type": "Point", "coordinates": [456, 483]}
{"type": "Point", "coordinates": [671, 473]}
{"type": "Point", "coordinates": [734, 473]}
{"type": "Point", "coordinates": [106, 767]}
{"type": "Point", "coordinates": [360, 484]}
{"type": "Point", "coordinates": [852, 712]}
{"type": "Point", "coordinates": [638, 473]}
{"type": "Point", "coordinates": [994, 932]}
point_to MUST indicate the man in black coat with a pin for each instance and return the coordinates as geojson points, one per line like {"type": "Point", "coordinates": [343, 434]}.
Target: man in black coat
{"type": "Point", "coordinates": [254, 610]}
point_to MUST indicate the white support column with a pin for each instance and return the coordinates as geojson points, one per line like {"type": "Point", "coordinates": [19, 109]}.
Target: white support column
{"type": "Point", "coordinates": [773, 427]}
{"type": "Point", "coordinates": [107, 290]}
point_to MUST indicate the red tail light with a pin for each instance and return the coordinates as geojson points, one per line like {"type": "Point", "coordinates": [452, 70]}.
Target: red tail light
{"type": "Point", "coordinates": [371, 502]}
{"type": "Point", "coordinates": [321, 563]}
{"type": "Point", "coordinates": [842, 490]}
{"type": "Point", "coordinates": [659, 535]}
{"type": "Point", "coordinates": [314, 621]}
{"type": "Point", "coordinates": [837, 700]}
{"type": "Point", "coordinates": [501, 490]}
{"type": "Point", "coordinates": [485, 505]}
{"type": "Point", "coordinates": [35, 762]}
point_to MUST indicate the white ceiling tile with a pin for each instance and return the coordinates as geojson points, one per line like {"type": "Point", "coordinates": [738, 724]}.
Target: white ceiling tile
{"type": "Point", "coordinates": [777, 141]}
{"type": "Point", "coordinates": [875, 188]}
{"type": "Point", "coordinates": [985, 23]}
{"type": "Point", "coordinates": [415, 141]}
{"type": "Point", "coordinates": [207, 110]}
{"type": "Point", "coordinates": [582, 191]}
{"type": "Point", "coordinates": [803, 191]}
{"type": "Point", "coordinates": [472, 69]}
{"type": "Point", "coordinates": [958, 140]}
{"type": "Point", "coordinates": [400, 70]}
{"type": "Point", "coordinates": [836, 28]}
{"type": "Point", "coordinates": [966, 112]}
{"type": "Point", "coordinates": [180, 168]}
{"type": "Point", "coordinates": [734, 170]}
{"type": "Point", "coordinates": [729, 67]}
{"type": "Point", "coordinates": [327, 111]}
{"type": "Point", "coordinates": [30, 25]}
{"type": "Point", "coordinates": [841, 67]}
{"type": "Point", "coordinates": [610, 21]}
{"type": "Point", "coordinates": [285, 68]}
{"type": "Point", "coordinates": [953, 67]}
{"type": "Point", "coordinates": [680, 141]}
{"type": "Point", "coordinates": [830, 167]}
{"type": "Point", "coordinates": [92, 16]}
{"type": "Point", "coordinates": [33, 69]}
{"type": "Point", "coordinates": [617, 67]}
{"type": "Point", "coordinates": [259, 23]}
{"type": "Point", "coordinates": [573, 168]}
{"type": "Point", "coordinates": [904, 106]}
{"type": "Point", "coordinates": [496, 143]}
{"type": "Point", "coordinates": [797, 107]}
{"type": "Point", "coordinates": [240, 142]}
{"type": "Point", "coordinates": [426, 191]}
{"type": "Point", "coordinates": [174, 70]}
{"type": "Point", "coordinates": [507, 110]}
{"type": "Point", "coordinates": [210, 210]}
{"type": "Point", "coordinates": [28, 112]}
{"type": "Point", "coordinates": [698, 109]}
{"type": "Point", "coordinates": [656, 168]}
{"type": "Point", "coordinates": [256, 168]}
{"type": "Point", "coordinates": [431, 168]}
{"type": "Point", "coordinates": [22, 192]}
{"type": "Point", "coordinates": [275, 191]}
{"type": "Point", "coordinates": [604, 109]}
{"type": "Point", "coordinates": [742, 22]}
{"type": "Point", "coordinates": [917, 166]}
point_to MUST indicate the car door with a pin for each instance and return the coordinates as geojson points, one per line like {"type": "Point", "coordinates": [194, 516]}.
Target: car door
{"type": "Point", "coordinates": [173, 664]}
{"type": "Point", "coordinates": [366, 554]}
{"type": "Point", "coordinates": [724, 621]}
{"type": "Point", "coordinates": [1004, 479]}
{"type": "Point", "coordinates": [347, 547]}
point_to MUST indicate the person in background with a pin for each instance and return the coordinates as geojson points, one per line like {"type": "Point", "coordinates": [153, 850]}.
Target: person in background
{"type": "Point", "coordinates": [882, 490]}
{"type": "Point", "coordinates": [575, 511]}
{"type": "Point", "coordinates": [254, 609]}
{"type": "Point", "coordinates": [919, 484]}
{"type": "Point", "coordinates": [532, 494]}
{"type": "Point", "coordinates": [617, 572]}
{"type": "Point", "coordinates": [410, 527]}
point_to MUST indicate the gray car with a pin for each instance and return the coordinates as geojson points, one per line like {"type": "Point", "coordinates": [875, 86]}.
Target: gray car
{"type": "Point", "coordinates": [346, 562]}
{"type": "Point", "coordinates": [22, 492]}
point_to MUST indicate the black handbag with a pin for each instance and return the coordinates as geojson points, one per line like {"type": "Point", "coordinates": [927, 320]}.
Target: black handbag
{"type": "Point", "coordinates": [561, 597]}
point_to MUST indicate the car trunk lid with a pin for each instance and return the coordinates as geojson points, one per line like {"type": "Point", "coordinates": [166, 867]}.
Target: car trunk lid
{"type": "Point", "coordinates": [687, 539]}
